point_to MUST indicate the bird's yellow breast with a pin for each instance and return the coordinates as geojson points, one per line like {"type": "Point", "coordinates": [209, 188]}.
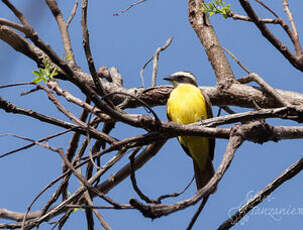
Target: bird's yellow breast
{"type": "Point", "coordinates": [186, 105]}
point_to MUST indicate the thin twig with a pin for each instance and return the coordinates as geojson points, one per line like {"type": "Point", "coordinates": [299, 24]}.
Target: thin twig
{"type": "Point", "coordinates": [255, 77]}
{"type": "Point", "coordinates": [197, 213]}
{"type": "Point", "coordinates": [72, 147]}
{"type": "Point", "coordinates": [33, 36]}
{"type": "Point", "coordinates": [71, 116]}
{"type": "Point", "coordinates": [86, 46]}
{"type": "Point", "coordinates": [89, 145]}
{"type": "Point", "coordinates": [149, 152]}
{"type": "Point", "coordinates": [175, 194]}
{"type": "Point", "coordinates": [67, 45]}
{"type": "Point", "coordinates": [11, 108]}
{"type": "Point", "coordinates": [33, 90]}
{"type": "Point", "coordinates": [102, 221]}
{"type": "Point", "coordinates": [81, 190]}
{"type": "Point", "coordinates": [54, 85]}
{"type": "Point", "coordinates": [228, 109]}
{"type": "Point", "coordinates": [268, 8]}
{"type": "Point", "coordinates": [156, 59]}
{"type": "Point", "coordinates": [270, 90]}
{"type": "Point", "coordinates": [76, 77]}
{"type": "Point", "coordinates": [142, 70]}
{"type": "Point", "coordinates": [89, 215]}
{"type": "Point", "coordinates": [62, 189]}
{"type": "Point", "coordinates": [237, 60]}
{"type": "Point", "coordinates": [132, 5]}
{"type": "Point", "coordinates": [16, 84]}
{"type": "Point", "coordinates": [83, 180]}
{"type": "Point", "coordinates": [281, 47]}
{"type": "Point", "coordinates": [125, 206]}
{"type": "Point", "coordinates": [63, 220]}
{"type": "Point", "coordinates": [73, 13]}
{"type": "Point", "coordinates": [105, 168]}
{"type": "Point", "coordinates": [236, 16]}
{"type": "Point", "coordinates": [115, 179]}
{"type": "Point", "coordinates": [33, 144]}
{"type": "Point", "coordinates": [294, 28]}
{"type": "Point", "coordinates": [158, 121]}
{"type": "Point", "coordinates": [133, 178]}
{"type": "Point", "coordinates": [293, 35]}
{"type": "Point", "coordinates": [17, 13]}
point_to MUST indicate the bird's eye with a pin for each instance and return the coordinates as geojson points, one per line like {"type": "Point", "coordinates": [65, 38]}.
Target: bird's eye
{"type": "Point", "coordinates": [181, 78]}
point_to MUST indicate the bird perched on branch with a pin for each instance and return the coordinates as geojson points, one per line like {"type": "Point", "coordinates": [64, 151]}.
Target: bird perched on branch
{"type": "Point", "coordinates": [187, 104]}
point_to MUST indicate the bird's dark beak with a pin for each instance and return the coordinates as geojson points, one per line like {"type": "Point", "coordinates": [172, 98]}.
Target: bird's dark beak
{"type": "Point", "coordinates": [167, 79]}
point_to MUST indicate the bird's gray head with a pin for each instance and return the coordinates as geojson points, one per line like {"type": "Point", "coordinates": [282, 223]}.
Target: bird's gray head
{"type": "Point", "coordinates": [182, 77]}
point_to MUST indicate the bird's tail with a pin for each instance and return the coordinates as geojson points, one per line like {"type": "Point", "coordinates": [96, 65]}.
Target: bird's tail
{"type": "Point", "coordinates": [203, 176]}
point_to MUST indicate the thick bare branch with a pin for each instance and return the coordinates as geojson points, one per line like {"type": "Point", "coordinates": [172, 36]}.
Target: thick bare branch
{"type": "Point", "coordinates": [9, 23]}
{"type": "Point", "coordinates": [236, 95]}
{"type": "Point", "coordinates": [20, 44]}
{"type": "Point", "coordinates": [17, 216]}
{"type": "Point", "coordinates": [210, 42]}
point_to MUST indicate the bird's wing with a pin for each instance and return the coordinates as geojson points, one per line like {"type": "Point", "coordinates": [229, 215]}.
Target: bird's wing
{"type": "Point", "coordinates": [212, 141]}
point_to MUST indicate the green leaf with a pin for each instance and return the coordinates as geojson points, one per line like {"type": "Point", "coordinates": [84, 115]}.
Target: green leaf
{"type": "Point", "coordinates": [37, 73]}
{"type": "Point", "coordinates": [53, 73]}
{"type": "Point", "coordinates": [43, 72]}
{"type": "Point", "coordinates": [37, 79]}
{"type": "Point", "coordinates": [216, 7]}
{"type": "Point", "coordinates": [44, 79]}
{"type": "Point", "coordinates": [211, 6]}
{"type": "Point", "coordinates": [47, 71]}
{"type": "Point", "coordinates": [68, 57]}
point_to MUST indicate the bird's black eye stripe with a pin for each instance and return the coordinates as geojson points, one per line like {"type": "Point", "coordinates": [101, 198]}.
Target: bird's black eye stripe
{"type": "Point", "coordinates": [184, 79]}
{"type": "Point", "coordinates": [181, 78]}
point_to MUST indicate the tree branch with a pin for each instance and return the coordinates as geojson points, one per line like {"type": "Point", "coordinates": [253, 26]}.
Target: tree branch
{"type": "Point", "coordinates": [289, 173]}
{"type": "Point", "coordinates": [132, 5]}
{"type": "Point", "coordinates": [73, 13]}
{"type": "Point", "coordinates": [211, 44]}
{"type": "Point", "coordinates": [156, 59]}
{"type": "Point", "coordinates": [296, 61]}
{"type": "Point", "coordinates": [294, 28]}
{"type": "Point", "coordinates": [158, 210]}
{"type": "Point", "coordinates": [63, 27]}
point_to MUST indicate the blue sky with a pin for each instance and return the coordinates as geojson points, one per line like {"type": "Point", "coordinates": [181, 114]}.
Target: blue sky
{"type": "Point", "coordinates": [127, 42]}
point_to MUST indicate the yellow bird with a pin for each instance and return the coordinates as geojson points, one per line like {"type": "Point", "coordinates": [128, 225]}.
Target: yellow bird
{"type": "Point", "coordinates": [187, 104]}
